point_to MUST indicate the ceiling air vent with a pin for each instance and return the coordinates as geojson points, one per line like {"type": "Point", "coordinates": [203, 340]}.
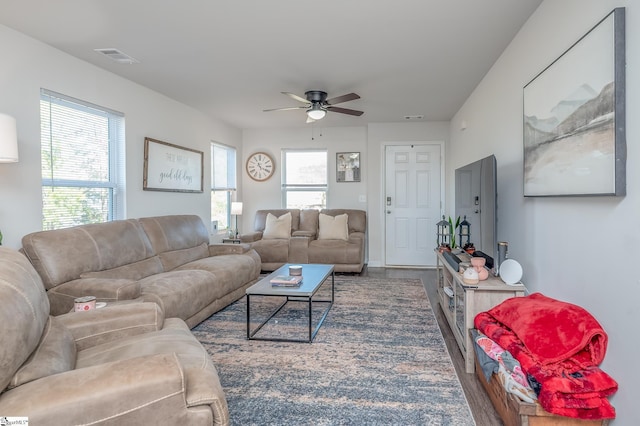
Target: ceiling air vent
{"type": "Point", "coordinates": [118, 56]}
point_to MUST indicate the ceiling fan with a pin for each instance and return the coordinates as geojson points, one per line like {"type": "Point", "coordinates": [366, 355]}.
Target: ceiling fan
{"type": "Point", "coordinates": [317, 104]}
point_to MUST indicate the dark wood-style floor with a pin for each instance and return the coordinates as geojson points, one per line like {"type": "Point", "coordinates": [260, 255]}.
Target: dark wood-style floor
{"type": "Point", "coordinates": [483, 412]}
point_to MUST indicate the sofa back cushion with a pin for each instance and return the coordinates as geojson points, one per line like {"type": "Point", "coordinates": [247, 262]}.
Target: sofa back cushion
{"type": "Point", "coordinates": [133, 271]}
{"type": "Point", "coordinates": [309, 222]}
{"type": "Point", "coordinates": [357, 219]}
{"type": "Point", "coordinates": [260, 221]}
{"type": "Point", "coordinates": [178, 239]}
{"type": "Point", "coordinates": [63, 255]}
{"type": "Point", "coordinates": [277, 227]}
{"type": "Point", "coordinates": [24, 313]}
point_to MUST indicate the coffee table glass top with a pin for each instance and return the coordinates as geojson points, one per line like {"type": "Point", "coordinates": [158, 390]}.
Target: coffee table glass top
{"type": "Point", "coordinates": [313, 276]}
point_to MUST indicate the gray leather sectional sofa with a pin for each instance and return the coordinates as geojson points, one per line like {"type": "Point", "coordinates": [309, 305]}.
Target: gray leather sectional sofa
{"type": "Point", "coordinates": [165, 259]}
{"type": "Point", "coordinates": [134, 361]}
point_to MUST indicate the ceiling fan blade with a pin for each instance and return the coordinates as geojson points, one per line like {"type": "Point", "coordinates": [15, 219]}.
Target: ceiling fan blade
{"type": "Point", "coordinates": [310, 120]}
{"type": "Point", "coordinates": [296, 97]}
{"type": "Point", "coordinates": [344, 98]}
{"type": "Point", "coordinates": [345, 110]}
{"type": "Point", "coordinates": [284, 109]}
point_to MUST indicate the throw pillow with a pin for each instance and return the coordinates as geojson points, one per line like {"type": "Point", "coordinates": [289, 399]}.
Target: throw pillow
{"type": "Point", "coordinates": [277, 227]}
{"type": "Point", "coordinates": [333, 227]}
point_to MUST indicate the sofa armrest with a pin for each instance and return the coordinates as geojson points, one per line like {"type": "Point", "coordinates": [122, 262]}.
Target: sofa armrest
{"type": "Point", "coordinates": [122, 392]}
{"type": "Point", "coordinates": [299, 250]}
{"type": "Point", "coordinates": [62, 296]}
{"type": "Point", "coordinates": [97, 326]}
{"type": "Point", "coordinates": [220, 249]}
{"type": "Point", "coordinates": [356, 237]}
{"type": "Point", "coordinates": [251, 237]}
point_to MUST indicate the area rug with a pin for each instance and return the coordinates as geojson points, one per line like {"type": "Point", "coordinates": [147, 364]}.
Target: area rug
{"type": "Point", "coordinates": [378, 359]}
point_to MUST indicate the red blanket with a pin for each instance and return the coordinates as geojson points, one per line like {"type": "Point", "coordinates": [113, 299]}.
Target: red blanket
{"type": "Point", "coordinates": [560, 346]}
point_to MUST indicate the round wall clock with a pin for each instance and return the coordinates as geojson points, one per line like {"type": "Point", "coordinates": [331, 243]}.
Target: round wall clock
{"type": "Point", "coordinates": [260, 166]}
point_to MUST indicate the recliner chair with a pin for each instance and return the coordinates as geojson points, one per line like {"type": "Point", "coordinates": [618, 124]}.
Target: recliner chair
{"type": "Point", "coordinates": [122, 364]}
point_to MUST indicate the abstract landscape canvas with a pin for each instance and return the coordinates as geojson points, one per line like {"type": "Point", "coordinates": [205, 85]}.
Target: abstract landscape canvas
{"type": "Point", "coordinates": [574, 118]}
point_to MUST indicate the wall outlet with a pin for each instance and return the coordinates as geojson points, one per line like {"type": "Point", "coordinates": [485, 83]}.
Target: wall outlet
{"type": "Point", "coordinates": [362, 198]}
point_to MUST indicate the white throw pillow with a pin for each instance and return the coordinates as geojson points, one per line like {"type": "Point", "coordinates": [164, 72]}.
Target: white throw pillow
{"type": "Point", "coordinates": [277, 227]}
{"type": "Point", "coordinates": [333, 227]}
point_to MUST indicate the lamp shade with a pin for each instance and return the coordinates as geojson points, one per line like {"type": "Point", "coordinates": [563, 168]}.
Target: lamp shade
{"type": "Point", "coordinates": [236, 208]}
{"type": "Point", "coordinates": [8, 139]}
{"type": "Point", "coordinates": [316, 112]}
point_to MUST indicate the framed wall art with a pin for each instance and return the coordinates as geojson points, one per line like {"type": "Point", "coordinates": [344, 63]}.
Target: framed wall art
{"type": "Point", "coordinates": [574, 118]}
{"type": "Point", "coordinates": [169, 167]}
{"type": "Point", "coordinates": [348, 167]}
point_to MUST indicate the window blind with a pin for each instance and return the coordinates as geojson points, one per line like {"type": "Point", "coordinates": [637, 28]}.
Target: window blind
{"type": "Point", "coordinates": [81, 168]}
{"type": "Point", "coordinates": [223, 168]}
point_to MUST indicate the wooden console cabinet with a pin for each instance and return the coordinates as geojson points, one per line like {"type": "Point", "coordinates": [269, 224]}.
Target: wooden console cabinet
{"type": "Point", "coordinates": [463, 302]}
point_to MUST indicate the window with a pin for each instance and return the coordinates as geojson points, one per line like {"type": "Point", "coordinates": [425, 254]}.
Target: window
{"type": "Point", "coordinates": [81, 169]}
{"type": "Point", "coordinates": [304, 180]}
{"type": "Point", "coordinates": [223, 182]}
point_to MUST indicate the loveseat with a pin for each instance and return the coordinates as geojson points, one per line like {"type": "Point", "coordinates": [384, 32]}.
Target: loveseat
{"type": "Point", "coordinates": [122, 364]}
{"type": "Point", "coordinates": [328, 236]}
{"type": "Point", "coordinates": [165, 259]}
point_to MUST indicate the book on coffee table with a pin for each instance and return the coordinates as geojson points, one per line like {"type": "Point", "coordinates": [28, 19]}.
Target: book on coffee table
{"type": "Point", "coordinates": [286, 281]}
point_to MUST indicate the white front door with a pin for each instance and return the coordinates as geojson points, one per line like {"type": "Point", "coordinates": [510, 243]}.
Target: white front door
{"type": "Point", "coordinates": [412, 204]}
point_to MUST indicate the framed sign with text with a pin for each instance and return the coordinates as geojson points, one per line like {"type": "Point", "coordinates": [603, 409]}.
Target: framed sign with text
{"type": "Point", "coordinates": [169, 167]}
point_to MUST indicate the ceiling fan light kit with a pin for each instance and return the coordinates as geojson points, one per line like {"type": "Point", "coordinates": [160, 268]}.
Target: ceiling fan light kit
{"type": "Point", "coordinates": [317, 104]}
{"type": "Point", "coordinates": [316, 112]}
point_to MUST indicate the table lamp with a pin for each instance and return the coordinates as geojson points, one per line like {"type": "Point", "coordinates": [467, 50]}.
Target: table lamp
{"type": "Point", "coordinates": [236, 210]}
{"type": "Point", "coordinates": [8, 139]}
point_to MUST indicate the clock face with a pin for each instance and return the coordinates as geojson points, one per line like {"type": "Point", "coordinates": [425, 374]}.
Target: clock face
{"type": "Point", "coordinates": [260, 166]}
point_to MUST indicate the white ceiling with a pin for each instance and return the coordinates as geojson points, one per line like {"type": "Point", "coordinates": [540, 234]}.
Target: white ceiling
{"type": "Point", "coordinates": [231, 58]}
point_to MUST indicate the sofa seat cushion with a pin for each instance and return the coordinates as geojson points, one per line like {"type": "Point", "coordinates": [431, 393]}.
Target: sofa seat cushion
{"type": "Point", "coordinates": [62, 296]}
{"type": "Point", "coordinates": [201, 378]}
{"type": "Point", "coordinates": [272, 251]}
{"type": "Point", "coordinates": [334, 252]}
{"type": "Point", "coordinates": [183, 293]}
{"type": "Point", "coordinates": [277, 227]}
{"type": "Point", "coordinates": [56, 353]}
{"type": "Point", "coordinates": [333, 227]}
{"type": "Point", "coordinates": [231, 271]}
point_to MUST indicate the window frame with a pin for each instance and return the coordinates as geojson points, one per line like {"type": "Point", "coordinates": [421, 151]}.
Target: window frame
{"type": "Point", "coordinates": [316, 187]}
{"type": "Point", "coordinates": [115, 148]}
{"type": "Point", "coordinates": [231, 179]}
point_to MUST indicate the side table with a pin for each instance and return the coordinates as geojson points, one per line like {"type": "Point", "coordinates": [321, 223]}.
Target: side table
{"type": "Point", "coordinates": [231, 241]}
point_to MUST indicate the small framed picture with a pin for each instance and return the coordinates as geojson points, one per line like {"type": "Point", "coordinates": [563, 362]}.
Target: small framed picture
{"type": "Point", "coordinates": [348, 167]}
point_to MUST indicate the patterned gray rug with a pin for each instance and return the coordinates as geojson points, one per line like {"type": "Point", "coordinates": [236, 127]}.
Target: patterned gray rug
{"type": "Point", "coordinates": [379, 359]}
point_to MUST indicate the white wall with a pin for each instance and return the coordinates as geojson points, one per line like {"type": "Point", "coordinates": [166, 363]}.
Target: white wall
{"type": "Point", "coordinates": [581, 250]}
{"type": "Point", "coordinates": [29, 65]}
{"type": "Point", "coordinates": [369, 141]}
{"type": "Point", "coordinates": [268, 194]}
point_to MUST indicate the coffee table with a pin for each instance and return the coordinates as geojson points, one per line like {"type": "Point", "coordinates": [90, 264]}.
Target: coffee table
{"type": "Point", "coordinates": [313, 276]}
